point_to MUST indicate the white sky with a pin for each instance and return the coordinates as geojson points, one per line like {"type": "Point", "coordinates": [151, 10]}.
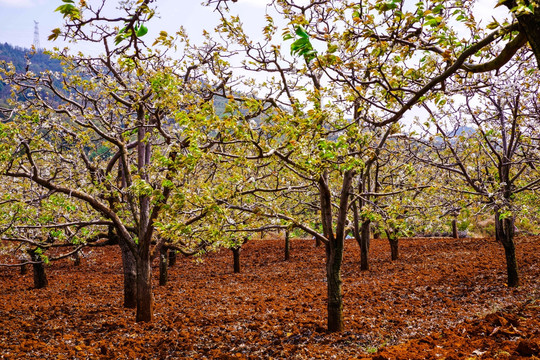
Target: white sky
{"type": "Point", "coordinates": [17, 17]}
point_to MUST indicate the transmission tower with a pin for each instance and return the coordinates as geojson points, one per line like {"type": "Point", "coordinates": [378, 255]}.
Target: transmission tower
{"type": "Point", "coordinates": [36, 36]}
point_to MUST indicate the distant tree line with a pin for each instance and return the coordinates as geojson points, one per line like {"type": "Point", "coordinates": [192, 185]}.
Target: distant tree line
{"type": "Point", "coordinates": [23, 60]}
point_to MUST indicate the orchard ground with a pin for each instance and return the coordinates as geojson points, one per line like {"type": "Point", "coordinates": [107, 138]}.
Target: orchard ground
{"type": "Point", "coordinates": [443, 299]}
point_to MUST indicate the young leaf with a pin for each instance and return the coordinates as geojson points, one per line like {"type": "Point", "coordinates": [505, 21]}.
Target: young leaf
{"type": "Point", "coordinates": [288, 36]}
{"type": "Point", "coordinates": [68, 10]}
{"type": "Point", "coordinates": [300, 31]}
{"type": "Point", "coordinates": [332, 48]}
{"type": "Point", "coordinates": [118, 39]}
{"type": "Point", "coordinates": [141, 31]}
{"type": "Point", "coordinates": [54, 34]}
{"type": "Point", "coordinates": [493, 25]}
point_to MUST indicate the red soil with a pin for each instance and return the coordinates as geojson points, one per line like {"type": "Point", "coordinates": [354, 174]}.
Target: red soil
{"type": "Point", "coordinates": [444, 299]}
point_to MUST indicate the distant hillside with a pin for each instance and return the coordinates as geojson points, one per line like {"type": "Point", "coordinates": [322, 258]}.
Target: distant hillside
{"type": "Point", "coordinates": [21, 58]}
{"type": "Point", "coordinates": [38, 62]}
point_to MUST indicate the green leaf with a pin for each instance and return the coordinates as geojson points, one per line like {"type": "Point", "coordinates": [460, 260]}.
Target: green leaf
{"type": "Point", "coordinates": [522, 9]}
{"type": "Point", "coordinates": [310, 54]}
{"type": "Point", "coordinates": [302, 46]}
{"type": "Point", "coordinates": [299, 45]}
{"type": "Point", "coordinates": [438, 9]}
{"type": "Point", "coordinates": [141, 31]}
{"type": "Point", "coordinates": [434, 21]}
{"type": "Point", "coordinates": [493, 25]}
{"type": "Point", "coordinates": [167, 183]}
{"type": "Point", "coordinates": [64, 9]}
{"type": "Point", "coordinates": [386, 6]}
{"type": "Point", "coordinates": [300, 31]}
{"type": "Point", "coordinates": [118, 39]}
{"type": "Point", "coordinates": [54, 34]}
{"type": "Point", "coordinates": [288, 36]}
{"type": "Point", "coordinates": [68, 10]}
{"type": "Point", "coordinates": [332, 48]}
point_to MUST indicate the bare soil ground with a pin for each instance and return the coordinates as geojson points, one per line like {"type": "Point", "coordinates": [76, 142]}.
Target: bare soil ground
{"type": "Point", "coordinates": [444, 299]}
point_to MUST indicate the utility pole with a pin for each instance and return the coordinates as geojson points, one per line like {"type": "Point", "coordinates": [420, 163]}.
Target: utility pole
{"type": "Point", "coordinates": [36, 44]}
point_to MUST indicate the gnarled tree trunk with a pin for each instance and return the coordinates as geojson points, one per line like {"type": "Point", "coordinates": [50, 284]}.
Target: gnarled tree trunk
{"type": "Point", "coordinates": [376, 232]}
{"type": "Point", "coordinates": [362, 233]}
{"type": "Point", "coordinates": [77, 259]}
{"type": "Point", "coordinates": [504, 233]}
{"type": "Point", "coordinates": [530, 25]}
{"type": "Point", "coordinates": [364, 245]}
{"type": "Point", "coordinates": [24, 268]}
{"type": "Point", "coordinates": [129, 268]}
{"type": "Point", "coordinates": [172, 257]}
{"type": "Point", "coordinates": [145, 299]}
{"type": "Point", "coordinates": [40, 277]}
{"type": "Point", "coordinates": [334, 258]}
{"type": "Point", "coordinates": [393, 240]}
{"type": "Point", "coordinates": [236, 259]}
{"type": "Point", "coordinates": [334, 247]}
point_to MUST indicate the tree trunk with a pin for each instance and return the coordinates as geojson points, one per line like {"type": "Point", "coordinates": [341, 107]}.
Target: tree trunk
{"type": "Point", "coordinates": [113, 238]}
{"type": "Point", "coordinates": [163, 266]}
{"type": "Point", "coordinates": [357, 230]}
{"type": "Point", "coordinates": [145, 300]}
{"type": "Point", "coordinates": [394, 249]}
{"type": "Point", "coordinates": [77, 259]}
{"type": "Point", "coordinates": [130, 276]}
{"type": "Point", "coordinates": [530, 23]}
{"type": "Point", "coordinates": [511, 265]}
{"type": "Point", "coordinates": [334, 247]}
{"type": "Point", "coordinates": [287, 246]}
{"type": "Point", "coordinates": [364, 245]}
{"type": "Point", "coordinates": [362, 232]}
{"type": "Point", "coordinates": [393, 240]}
{"type": "Point", "coordinates": [24, 269]}
{"type": "Point", "coordinates": [172, 257]}
{"type": "Point", "coordinates": [236, 259]}
{"type": "Point", "coordinates": [504, 233]}
{"type": "Point", "coordinates": [334, 256]}
{"type": "Point", "coordinates": [455, 229]}
{"type": "Point", "coordinates": [40, 278]}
